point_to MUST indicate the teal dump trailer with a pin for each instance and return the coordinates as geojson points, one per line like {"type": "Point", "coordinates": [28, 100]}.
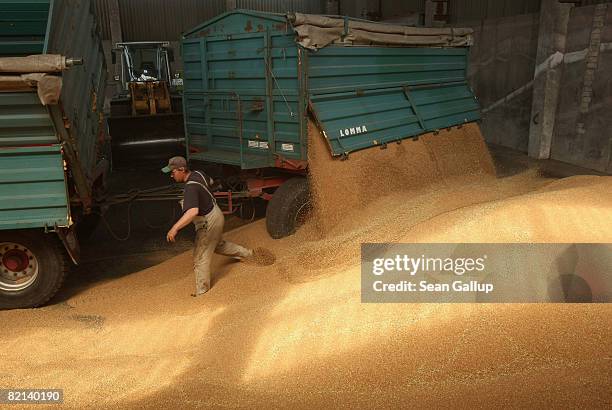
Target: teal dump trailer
{"type": "Point", "coordinates": [52, 141]}
{"type": "Point", "coordinates": [252, 80]}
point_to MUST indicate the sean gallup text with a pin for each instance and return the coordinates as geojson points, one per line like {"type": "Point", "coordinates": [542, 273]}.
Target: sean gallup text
{"type": "Point", "coordinates": [425, 286]}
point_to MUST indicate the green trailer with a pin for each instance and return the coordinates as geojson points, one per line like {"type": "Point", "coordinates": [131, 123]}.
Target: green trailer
{"type": "Point", "coordinates": [252, 80]}
{"type": "Point", "coordinates": [52, 152]}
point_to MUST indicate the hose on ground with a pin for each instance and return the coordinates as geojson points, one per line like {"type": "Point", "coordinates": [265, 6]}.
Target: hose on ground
{"type": "Point", "coordinates": [129, 225]}
{"type": "Point", "coordinates": [152, 194]}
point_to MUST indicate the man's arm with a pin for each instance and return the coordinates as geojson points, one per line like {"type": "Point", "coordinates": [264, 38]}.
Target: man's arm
{"type": "Point", "coordinates": [185, 220]}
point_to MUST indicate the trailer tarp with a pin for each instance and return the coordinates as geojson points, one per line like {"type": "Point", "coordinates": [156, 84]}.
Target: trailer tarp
{"type": "Point", "coordinates": [34, 73]}
{"type": "Point", "coordinates": [48, 87]}
{"type": "Point", "coordinates": [44, 63]}
{"type": "Point", "coordinates": [316, 32]}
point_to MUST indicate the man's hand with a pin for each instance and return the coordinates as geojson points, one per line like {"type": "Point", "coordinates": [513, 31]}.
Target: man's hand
{"type": "Point", "coordinates": [181, 223]}
{"type": "Point", "coordinates": [171, 235]}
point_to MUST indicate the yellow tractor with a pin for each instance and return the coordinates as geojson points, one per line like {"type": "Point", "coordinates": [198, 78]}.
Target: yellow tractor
{"type": "Point", "coordinates": [146, 119]}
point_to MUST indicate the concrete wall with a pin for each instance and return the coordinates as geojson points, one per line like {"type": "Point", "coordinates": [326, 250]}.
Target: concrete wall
{"type": "Point", "coordinates": [165, 20]}
{"type": "Point", "coordinates": [502, 63]}
{"type": "Point", "coordinates": [502, 72]}
{"type": "Point", "coordinates": [583, 126]}
{"type": "Point", "coordinates": [156, 20]}
{"type": "Point", "coordinates": [395, 10]}
{"type": "Point", "coordinates": [462, 11]}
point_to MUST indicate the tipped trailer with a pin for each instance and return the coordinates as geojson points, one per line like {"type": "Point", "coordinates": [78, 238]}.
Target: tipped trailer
{"type": "Point", "coordinates": [53, 142]}
{"type": "Point", "coordinates": [252, 80]}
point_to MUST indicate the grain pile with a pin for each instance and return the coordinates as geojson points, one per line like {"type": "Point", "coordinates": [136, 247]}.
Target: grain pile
{"type": "Point", "coordinates": [294, 334]}
{"type": "Point", "coordinates": [261, 257]}
{"type": "Point", "coordinates": [341, 187]}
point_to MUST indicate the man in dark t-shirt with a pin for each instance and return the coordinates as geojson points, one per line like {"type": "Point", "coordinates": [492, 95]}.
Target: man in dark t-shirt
{"type": "Point", "coordinates": [201, 209]}
{"type": "Point", "coordinates": [196, 197]}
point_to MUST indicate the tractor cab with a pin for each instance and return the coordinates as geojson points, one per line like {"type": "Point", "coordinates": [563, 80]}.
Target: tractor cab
{"type": "Point", "coordinates": [145, 77]}
{"type": "Point", "coordinates": [143, 61]}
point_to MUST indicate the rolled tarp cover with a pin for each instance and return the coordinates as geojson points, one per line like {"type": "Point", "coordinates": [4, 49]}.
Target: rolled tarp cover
{"type": "Point", "coordinates": [42, 63]}
{"type": "Point", "coordinates": [47, 86]}
{"type": "Point", "coordinates": [316, 32]}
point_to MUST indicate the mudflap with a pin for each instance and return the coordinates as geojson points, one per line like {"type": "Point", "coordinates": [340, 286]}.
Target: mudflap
{"type": "Point", "coordinates": [71, 243]}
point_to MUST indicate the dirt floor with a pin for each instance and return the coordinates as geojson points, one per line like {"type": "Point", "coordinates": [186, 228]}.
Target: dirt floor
{"type": "Point", "coordinates": [126, 333]}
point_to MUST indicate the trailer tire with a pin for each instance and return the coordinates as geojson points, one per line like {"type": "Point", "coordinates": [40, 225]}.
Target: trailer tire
{"type": "Point", "coordinates": [46, 262]}
{"type": "Point", "coordinates": [290, 201]}
{"type": "Point", "coordinates": [252, 209]}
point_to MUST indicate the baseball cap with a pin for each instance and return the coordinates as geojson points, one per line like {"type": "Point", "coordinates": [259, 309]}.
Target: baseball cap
{"type": "Point", "coordinates": [174, 163]}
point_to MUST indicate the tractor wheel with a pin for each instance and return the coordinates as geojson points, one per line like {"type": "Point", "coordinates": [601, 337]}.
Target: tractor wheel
{"type": "Point", "coordinates": [32, 268]}
{"type": "Point", "coordinates": [289, 207]}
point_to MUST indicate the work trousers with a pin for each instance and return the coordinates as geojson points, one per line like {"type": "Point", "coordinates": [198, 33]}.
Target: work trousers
{"type": "Point", "coordinates": [209, 240]}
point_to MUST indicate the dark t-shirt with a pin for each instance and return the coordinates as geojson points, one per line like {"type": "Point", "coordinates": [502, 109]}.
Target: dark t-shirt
{"type": "Point", "coordinates": [196, 196]}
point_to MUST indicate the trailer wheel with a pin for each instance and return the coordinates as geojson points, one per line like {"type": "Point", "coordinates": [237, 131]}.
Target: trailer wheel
{"type": "Point", "coordinates": [288, 208]}
{"type": "Point", "coordinates": [32, 268]}
{"type": "Point", "coordinates": [252, 209]}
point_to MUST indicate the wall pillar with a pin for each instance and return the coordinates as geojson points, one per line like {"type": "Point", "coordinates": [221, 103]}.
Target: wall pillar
{"type": "Point", "coordinates": [430, 11]}
{"type": "Point", "coordinates": [554, 17]}
{"type": "Point", "coordinates": [116, 36]}
{"type": "Point", "coordinates": [364, 9]}
{"type": "Point", "coordinates": [331, 7]}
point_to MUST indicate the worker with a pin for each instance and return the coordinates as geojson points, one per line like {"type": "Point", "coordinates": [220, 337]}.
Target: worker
{"type": "Point", "coordinates": [200, 207]}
